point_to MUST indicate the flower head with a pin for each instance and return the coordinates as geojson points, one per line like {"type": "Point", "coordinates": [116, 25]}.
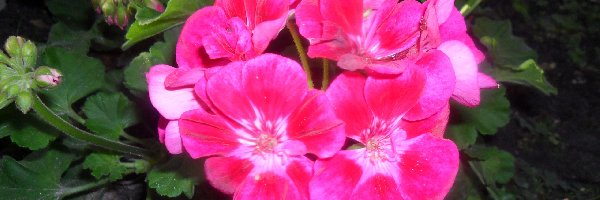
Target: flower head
{"type": "Point", "coordinates": [265, 119]}
{"type": "Point", "coordinates": [399, 160]}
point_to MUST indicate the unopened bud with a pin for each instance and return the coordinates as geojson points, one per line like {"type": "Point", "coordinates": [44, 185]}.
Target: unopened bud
{"type": "Point", "coordinates": [12, 91]}
{"type": "Point", "coordinates": [4, 58]}
{"type": "Point", "coordinates": [108, 8]}
{"type": "Point", "coordinates": [155, 5]}
{"type": "Point", "coordinates": [4, 100]}
{"type": "Point", "coordinates": [24, 101]}
{"type": "Point", "coordinates": [29, 51]}
{"type": "Point", "coordinates": [121, 18]}
{"type": "Point", "coordinates": [13, 46]}
{"type": "Point", "coordinates": [46, 77]}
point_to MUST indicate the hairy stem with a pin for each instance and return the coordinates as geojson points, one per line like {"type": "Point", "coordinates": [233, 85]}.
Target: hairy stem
{"type": "Point", "coordinates": [325, 81]}
{"type": "Point", "coordinates": [51, 118]}
{"type": "Point", "coordinates": [83, 188]}
{"type": "Point", "coordinates": [301, 52]}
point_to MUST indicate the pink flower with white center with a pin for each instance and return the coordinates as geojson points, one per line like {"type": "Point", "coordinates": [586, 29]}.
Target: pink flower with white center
{"type": "Point", "coordinates": [265, 120]}
{"type": "Point", "coordinates": [231, 30]}
{"type": "Point", "coordinates": [396, 162]}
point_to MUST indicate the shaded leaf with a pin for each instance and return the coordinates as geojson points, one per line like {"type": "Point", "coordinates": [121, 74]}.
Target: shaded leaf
{"type": "Point", "coordinates": [528, 73]}
{"type": "Point", "coordinates": [491, 114]}
{"type": "Point", "coordinates": [26, 130]}
{"type": "Point", "coordinates": [82, 75]}
{"type": "Point", "coordinates": [35, 177]}
{"type": "Point", "coordinates": [178, 176]}
{"type": "Point", "coordinates": [105, 165]}
{"type": "Point", "coordinates": [74, 12]}
{"type": "Point", "coordinates": [497, 166]}
{"type": "Point", "coordinates": [176, 12]}
{"type": "Point", "coordinates": [505, 49]}
{"type": "Point", "coordinates": [159, 53]}
{"type": "Point", "coordinates": [109, 114]}
{"type": "Point", "coordinates": [74, 40]}
{"type": "Point", "coordinates": [463, 135]}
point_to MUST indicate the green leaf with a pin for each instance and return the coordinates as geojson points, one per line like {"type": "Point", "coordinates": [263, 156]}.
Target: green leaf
{"type": "Point", "coordinates": [497, 166]}
{"type": "Point", "coordinates": [505, 49]}
{"type": "Point", "coordinates": [464, 135]}
{"type": "Point", "coordinates": [528, 73]}
{"type": "Point", "coordinates": [26, 130]}
{"type": "Point", "coordinates": [491, 114]}
{"type": "Point", "coordinates": [159, 53]}
{"type": "Point", "coordinates": [73, 12]}
{"type": "Point", "coordinates": [109, 114]}
{"type": "Point", "coordinates": [74, 40]}
{"type": "Point", "coordinates": [177, 176]}
{"type": "Point", "coordinates": [82, 75]}
{"type": "Point", "coordinates": [176, 12]}
{"type": "Point", "coordinates": [35, 177]}
{"type": "Point", "coordinates": [105, 165]}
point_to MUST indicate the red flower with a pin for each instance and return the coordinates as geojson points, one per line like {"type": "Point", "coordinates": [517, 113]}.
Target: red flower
{"type": "Point", "coordinates": [231, 30]}
{"type": "Point", "coordinates": [396, 162]}
{"type": "Point", "coordinates": [265, 119]}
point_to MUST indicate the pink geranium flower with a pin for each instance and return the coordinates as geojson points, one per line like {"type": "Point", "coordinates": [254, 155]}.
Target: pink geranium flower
{"type": "Point", "coordinates": [265, 120]}
{"type": "Point", "coordinates": [396, 162]}
{"type": "Point", "coordinates": [231, 30]}
{"type": "Point", "coordinates": [385, 36]}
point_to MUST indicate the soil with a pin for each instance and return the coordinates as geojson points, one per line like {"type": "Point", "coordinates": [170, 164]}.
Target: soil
{"type": "Point", "coordinates": [554, 138]}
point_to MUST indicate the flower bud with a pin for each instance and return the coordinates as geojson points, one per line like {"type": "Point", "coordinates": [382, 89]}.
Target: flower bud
{"type": "Point", "coordinates": [121, 18]}
{"type": "Point", "coordinates": [12, 91]}
{"type": "Point", "coordinates": [4, 100]}
{"type": "Point", "coordinates": [13, 46]}
{"type": "Point", "coordinates": [96, 4]}
{"type": "Point", "coordinates": [4, 58]}
{"type": "Point", "coordinates": [29, 51]}
{"type": "Point", "coordinates": [24, 101]}
{"type": "Point", "coordinates": [155, 5]}
{"type": "Point", "coordinates": [108, 7]}
{"type": "Point", "coordinates": [46, 77]}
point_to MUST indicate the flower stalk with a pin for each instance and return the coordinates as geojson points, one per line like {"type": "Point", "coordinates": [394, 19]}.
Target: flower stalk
{"type": "Point", "coordinates": [301, 52]}
{"type": "Point", "coordinates": [51, 118]}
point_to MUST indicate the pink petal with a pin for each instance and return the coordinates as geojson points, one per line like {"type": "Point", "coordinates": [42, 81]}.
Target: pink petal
{"type": "Point", "coordinates": [274, 185]}
{"type": "Point", "coordinates": [443, 8]}
{"type": "Point", "coordinates": [227, 173]}
{"type": "Point", "coordinates": [396, 28]}
{"type": "Point", "coordinates": [455, 29]}
{"type": "Point", "coordinates": [438, 88]}
{"type": "Point", "coordinates": [428, 167]}
{"type": "Point", "coordinates": [300, 172]}
{"type": "Point", "coordinates": [336, 177]}
{"type": "Point", "coordinates": [377, 187]}
{"type": "Point", "coordinates": [332, 49]}
{"type": "Point", "coordinates": [315, 124]}
{"type": "Point", "coordinates": [227, 40]}
{"type": "Point", "coordinates": [346, 95]}
{"type": "Point", "coordinates": [169, 103]}
{"type": "Point", "coordinates": [435, 124]}
{"type": "Point", "coordinates": [309, 20]}
{"type": "Point", "coordinates": [391, 98]}
{"type": "Point", "coordinates": [345, 14]}
{"type": "Point", "coordinates": [173, 138]}
{"type": "Point", "coordinates": [190, 52]}
{"type": "Point", "coordinates": [275, 85]}
{"type": "Point", "coordinates": [205, 134]}
{"type": "Point", "coordinates": [162, 125]}
{"type": "Point", "coordinates": [226, 93]}
{"type": "Point", "coordinates": [465, 67]}
{"type": "Point", "coordinates": [184, 78]}
{"type": "Point", "coordinates": [486, 81]}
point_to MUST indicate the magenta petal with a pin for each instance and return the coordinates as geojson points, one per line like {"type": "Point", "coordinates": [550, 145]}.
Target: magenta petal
{"type": "Point", "coordinates": [205, 134]}
{"type": "Point", "coordinates": [438, 87]}
{"type": "Point", "coordinates": [348, 100]}
{"type": "Point", "coordinates": [336, 177]}
{"type": "Point", "coordinates": [314, 123]}
{"type": "Point", "coordinates": [465, 67]}
{"type": "Point", "coordinates": [190, 52]}
{"type": "Point", "coordinates": [228, 40]}
{"type": "Point", "coordinates": [391, 98]}
{"type": "Point", "coordinates": [377, 187]}
{"type": "Point", "coordinates": [435, 124]}
{"type": "Point", "coordinates": [227, 173]}
{"type": "Point", "coordinates": [173, 138]}
{"type": "Point", "coordinates": [486, 81]}
{"type": "Point", "coordinates": [162, 125]}
{"type": "Point", "coordinates": [428, 167]}
{"type": "Point", "coordinates": [268, 186]}
{"type": "Point", "coordinates": [443, 8]}
{"type": "Point", "coordinates": [225, 92]}
{"type": "Point", "coordinates": [455, 29]}
{"type": "Point", "coordinates": [309, 20]}
{"type": "Point", "coordinates": [333, 49]}
{"type": "Point", "coordinates": [275, 85]}
{"type": "Point", "coordinates": [345, 14]}
{"type": "Point", "coordinates": [169, 103]}
{"type": "Point", "coordinates": [184, 78]}
{"type": "Point", "coordinates": [300, 172]}
{"type": "Point", "coordinates": [397, 28]}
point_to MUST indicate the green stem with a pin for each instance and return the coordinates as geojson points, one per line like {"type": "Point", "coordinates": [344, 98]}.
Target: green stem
{"type": "Point", "coordinates": [51, 118]}
{"type": "Point", "coordinates": [82, 188]}
{"type": "Point", "coordinates": [301, 53]}
{"type": "Point", "coordinates": [466, 9]}
{"type": "Point", "coordinates": [73, 115]}
{"type": "Point", "coordinates": [325, 81]}
{"type": "Point", "coordinates": [134, 139]}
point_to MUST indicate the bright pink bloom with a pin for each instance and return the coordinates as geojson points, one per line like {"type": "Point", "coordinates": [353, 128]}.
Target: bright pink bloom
{"type": "Point", "coordinates": [231, 30]}
{"type": "Point", "coordinates": [396, 162]}
{"type": "Point", "coordinates": [265, 120]}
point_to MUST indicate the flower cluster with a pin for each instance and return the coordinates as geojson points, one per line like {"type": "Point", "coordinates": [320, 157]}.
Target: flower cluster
{"type": "Point", "coordinates": [255, 118]}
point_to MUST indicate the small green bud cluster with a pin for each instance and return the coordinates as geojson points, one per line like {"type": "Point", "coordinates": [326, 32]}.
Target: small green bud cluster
{"type": "Point", "coordinates": [116, 12]}
{"type": "Point", "coordinates": [18, 75]}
